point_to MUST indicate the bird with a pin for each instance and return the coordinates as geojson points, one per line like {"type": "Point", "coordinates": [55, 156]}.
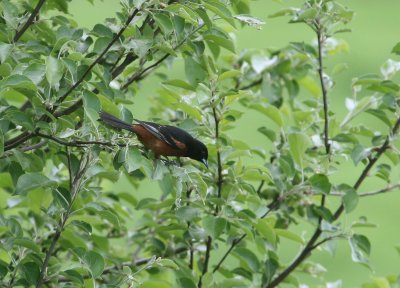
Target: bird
{"type": "Point", "coordinates": [162, 140]}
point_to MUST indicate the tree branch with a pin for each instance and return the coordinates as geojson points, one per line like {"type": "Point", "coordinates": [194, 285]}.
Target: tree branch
{"type": "Point", "coordinates": [29, 21]}
{"type": "Point", "coordinates": [271, 207]}
{"type": "Point", "coordinates": [80, 80]}
{"type": "Point", "coordinates": [310, 246]}
{"type": "Point", "coordinates": [140, 74]}
{"type": "Point", "coordinates": [206, 261]}
{"type": "Point", "coordinates": [372, 193]}
{"type": "Point", "coordinates": [75, 182]}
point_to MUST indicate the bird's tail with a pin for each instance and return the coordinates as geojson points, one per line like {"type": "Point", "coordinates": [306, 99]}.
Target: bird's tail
{"type": "Point", "coordinates": [114, 121]}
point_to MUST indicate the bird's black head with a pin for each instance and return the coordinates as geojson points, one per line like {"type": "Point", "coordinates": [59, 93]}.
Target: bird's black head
{"type": "Point", "coordinates": [198, 151]}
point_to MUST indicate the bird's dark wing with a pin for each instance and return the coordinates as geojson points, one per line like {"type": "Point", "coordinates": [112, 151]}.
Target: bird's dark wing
{"type": "Point", "coordinates": [163, 132]}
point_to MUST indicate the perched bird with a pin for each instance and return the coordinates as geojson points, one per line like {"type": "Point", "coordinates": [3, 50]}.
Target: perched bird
{"type": "Point", "coordinates": [163, 140]}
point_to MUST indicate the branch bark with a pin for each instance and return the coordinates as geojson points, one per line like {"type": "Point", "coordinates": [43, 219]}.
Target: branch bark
{"type": "Point", "coordinates": [29, 22]}
{"type": "Point", "coordinates": [75, 183]}
{"type": "Point", "coordinates": [311, 244]}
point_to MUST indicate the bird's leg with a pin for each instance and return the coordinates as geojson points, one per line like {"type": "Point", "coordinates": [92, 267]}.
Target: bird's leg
{"type": "Point", "coordinates": [168, 162]}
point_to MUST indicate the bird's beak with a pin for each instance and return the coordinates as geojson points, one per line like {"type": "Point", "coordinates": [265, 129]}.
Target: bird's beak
{"type": "Point", "coordinates": [205, 162]}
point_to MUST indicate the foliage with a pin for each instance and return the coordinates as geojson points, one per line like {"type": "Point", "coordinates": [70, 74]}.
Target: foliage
{"type": "Point", "coordinates": [221, 227]}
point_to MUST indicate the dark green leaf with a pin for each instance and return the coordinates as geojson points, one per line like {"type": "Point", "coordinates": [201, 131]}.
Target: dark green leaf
{"type": "Point", "coordinates": [31, 271]}
{"type": "Point", "coordinates": [359, 153]}
{"type": "Point", "coordinates": [396, 49]}
{"type": "Point", "coordinates": [54, 71]}
{"type": "Point", "coordinates": [214, 226]}
{"type": "Point", "coordinates": [95, 263]}
{"type": "Point", "coordinates": [164, 22]}
{"type": "Point", "coordinates": [360, 248]}
{"type": "Point", "coordinates": [350, 200]}
{"type": "Point", "coordinates": [31, 181]}
{"type": "Point", "coordinates": [320, 183]}
{"type": "Point", "coordinates": [5, 50]}
{"type": "Point", "coordinates": [187, 213]}
{"type": "Point", "coordinates": [248, 257]}
{"type": "Point", "coordinates": [220, 41]}
{"type": "Point", "coordinates": [194, 71]}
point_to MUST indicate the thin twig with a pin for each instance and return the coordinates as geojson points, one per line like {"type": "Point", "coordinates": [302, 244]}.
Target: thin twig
{"type": "Point", "coordinates": [26, 148]}
{"type": "Point", "coordinates": [324, 90]}
{"type": "Point", "coordinates": [77, 143]}
{"type": "Point", "coordinates": [372, 193]}
{"type": "Point", "coordinates": [29, 21]}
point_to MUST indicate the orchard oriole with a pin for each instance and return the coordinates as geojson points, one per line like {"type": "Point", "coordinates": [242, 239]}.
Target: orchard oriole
{"type": "Point", "coordinates": [163, 140]}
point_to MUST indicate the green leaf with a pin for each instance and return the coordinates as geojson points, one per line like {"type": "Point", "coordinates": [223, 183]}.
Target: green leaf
{"type": "Point", "coordinates": [221, 10]}
{"type": "Point", "coordinates": [250, 20]}
{"type": "Point", "coordinates": [320, 183]}
{"type": "Point", "coordinates": [167, 263]}
{"type": "Point", "coordinates": [1, 143]}
{"type": "Point", "coordinates": [265, 229]}
{"type": "Point", "coordinates": [54, 71]}
{"type": "Point", "coordinates": [396, 49]}
{"type": "Point", "coordinates": [248, 257]}
{"type": "Point", "coordinates": [298, 143]}
{"type": "Point", "coordinates": [204, 16]}
{"type": "Point", "coordinates": [181, 84]}
{"type": "Point", "coordinates": [214, 226]}
{"type": "Point", "coordinates": [187, 213]}
{"type": "Point", "coordinates": [289, 235]}
{"type": "Point", "coordinates": [82, 225]}
{"type": "Point", "coordinates": [194, 71]}
{"type": "Point", "coordinates": [350, 200]}
{"type": "Point", "coordinates": [95, 263]}
{"type": "Point", "coordinates": [268, 132]}
{"type": "Point", "coordinates": [220, 41]}
{"type": "Point", "coordinates": [91, 101]}
{"type": "Point", "coordinates": [31, 181]}
{"type": "Point", "coordinates": [164, 22]}
{"type": "Point", "coordinates": [27, 243]}
{"type": "Point", "coordinates": [110, 217]}
{"type": "Point", "coordinates": [359, 153]}
{"type": "Point", "coordinates": [360, 248]}
{"type": "Point", "coordinates": [18, 82]}
{"type": "Point", "coordinates": [31, 271]}
{"type": "Point", "coordinates": [5, 50]}
{"type": "Point", "coordinates": [229, 74]}
{"type": "Point", "coordinates": [271, 112]}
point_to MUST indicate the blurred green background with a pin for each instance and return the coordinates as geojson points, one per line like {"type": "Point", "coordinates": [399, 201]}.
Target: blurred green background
{"type": "Point", "coordinates": [375, 30]}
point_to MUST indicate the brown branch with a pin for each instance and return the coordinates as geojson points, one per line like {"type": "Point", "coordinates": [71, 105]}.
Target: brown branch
{"type": "Point", "coordinates": [271, 207]}
{"type": "Point", "coordinates": [324, 90]}
{"type": "Point", "coordinates": [29, 21]}
{"type": "Point", "coordinates": [372, 193]}
{"type": "Point", "coordinates": [310, 246]}
{"type": "Point", "coordinates": [206, 261]}
{"type": "Point", "coordinates": [75, 182]}
{"type": "Point", "coordinates": [140, 74]}
{"type": "Point", "coordinates": [251, 85]}
{"type": "Point", "coordinates": [77, 83]}
{"type": "Point", "coordinates": [77, 143]}
{"type": "Point", "coordinates": [26, 148]}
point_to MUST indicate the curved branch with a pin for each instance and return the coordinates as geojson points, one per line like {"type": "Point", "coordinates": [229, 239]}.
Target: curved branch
{"type": "Point", "coordinates": [311, 244]}
{"type": "Point", "coordinates": [29, 21]}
